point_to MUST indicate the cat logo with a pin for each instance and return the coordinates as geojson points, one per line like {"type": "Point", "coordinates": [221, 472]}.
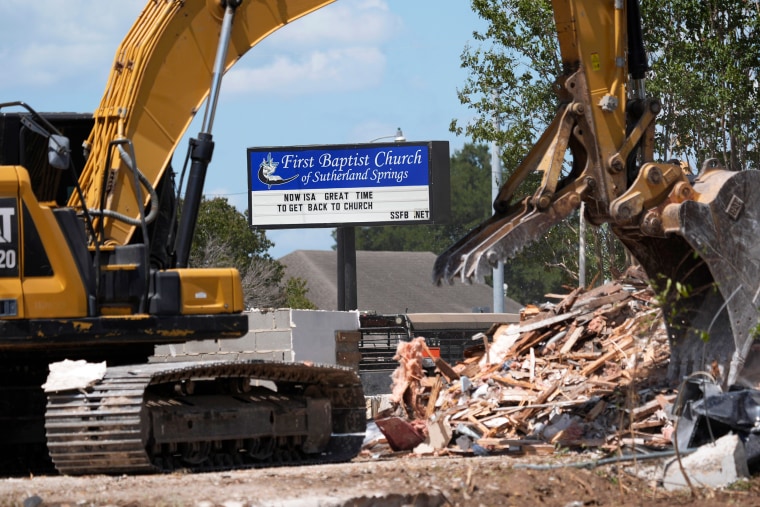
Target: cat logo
{"type": "Point", "coordinates": [6, 224]}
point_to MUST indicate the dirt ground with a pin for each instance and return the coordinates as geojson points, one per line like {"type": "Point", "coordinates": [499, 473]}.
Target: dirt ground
{"type": "Point", "coordinates": [397, 481]}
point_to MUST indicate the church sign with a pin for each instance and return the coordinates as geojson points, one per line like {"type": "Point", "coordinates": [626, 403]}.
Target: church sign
{"type": "Point", "coordinates": [337, 185]}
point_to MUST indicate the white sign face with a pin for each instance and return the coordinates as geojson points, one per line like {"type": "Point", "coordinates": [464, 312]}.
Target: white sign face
{"type": "Point", "coordinates": [321, 186]}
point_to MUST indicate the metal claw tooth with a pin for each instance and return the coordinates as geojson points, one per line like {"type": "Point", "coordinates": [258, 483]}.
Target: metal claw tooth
{"type": "Point", "coordinates": [492, 258]}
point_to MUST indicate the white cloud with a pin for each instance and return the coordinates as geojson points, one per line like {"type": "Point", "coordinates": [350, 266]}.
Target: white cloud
{"type": "Point", "coordinates": [336, 49]}
{"type": "Point", "coordinates": [49, 43]}
{"type": "Point", "coordinates": [54, 41]}
{"type": "Point", "coordinates": [354, 22]}
{"type": "Point", "coordinates": [335, 70]}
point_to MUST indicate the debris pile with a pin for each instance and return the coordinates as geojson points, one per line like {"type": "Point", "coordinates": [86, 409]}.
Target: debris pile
{"type": "Point", "coordinates": [582, 373]}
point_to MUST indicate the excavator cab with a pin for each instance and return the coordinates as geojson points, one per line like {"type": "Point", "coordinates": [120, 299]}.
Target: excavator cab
{"type": "Point", "coordinates": [42, 276]}
{"type": "Point", "coordinates": [55, 269]}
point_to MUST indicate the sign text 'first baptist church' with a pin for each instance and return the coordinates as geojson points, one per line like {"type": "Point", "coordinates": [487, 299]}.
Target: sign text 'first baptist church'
{"type": "Point", "coordinates": [366, 184]}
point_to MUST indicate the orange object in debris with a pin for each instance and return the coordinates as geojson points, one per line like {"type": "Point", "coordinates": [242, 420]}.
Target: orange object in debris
{"type": "Point", "coordinates": [431, 352]}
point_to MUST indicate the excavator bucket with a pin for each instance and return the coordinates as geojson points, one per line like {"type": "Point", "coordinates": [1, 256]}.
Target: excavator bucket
{"type": "Point", "coordinates": [706, 269]}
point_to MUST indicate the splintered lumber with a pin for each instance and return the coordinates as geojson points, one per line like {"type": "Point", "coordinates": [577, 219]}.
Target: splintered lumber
{"type": "Point", "coordinates": [586, 371]}
{"type": "Point", "coordinates": [557, 377]}
{"type": "Point", "coordinates": [434, 392]}
{"type": "Point", "coordinates": [596, 411]}
{"type": "Point", "coordinates": [570, 341]}
{"type": "Point", "coordinates": [542, 323]}
{"type": "Point", "coordinates": [527, 446]}
{"type": "Point", "coordinates": [568, 301]}
{"type": "Point", "coordinates": [541, 399]}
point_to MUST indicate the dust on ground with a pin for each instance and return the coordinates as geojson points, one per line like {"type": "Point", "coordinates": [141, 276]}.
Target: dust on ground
{"type": "Point", "coordinates": [399, 480]}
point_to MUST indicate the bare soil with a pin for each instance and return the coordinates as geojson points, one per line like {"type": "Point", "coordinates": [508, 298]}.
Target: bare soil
{"type": "Point", "coordinates": [395, 481]}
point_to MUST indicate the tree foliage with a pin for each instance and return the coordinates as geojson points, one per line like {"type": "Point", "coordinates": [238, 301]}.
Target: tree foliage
{"type": "Point", "coordinates": [224, 239]}
{"type": "Point", "coordinates": [470, 204]}
{"type": "Point", "coordinates": [220, 223]}
{"type": "Point", "coordinates": [512, 73]}
{"type": "Point", "coordinates": [705, 57]}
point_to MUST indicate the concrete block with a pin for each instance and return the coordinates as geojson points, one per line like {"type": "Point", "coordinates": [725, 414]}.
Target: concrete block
{"type": "Point", "coordinates": [165, 350]}
{"type": "Point", "coordinates": [201, 347]}
{"type": "Point", "coordinates": [252, 356]}
{"type": "Point", "coordinates": [439, 433]}
{"type": "Point", "coordinates": [244, 343]}
{"type": "Point", "coordinates": [282, 319]}
{"type": "Point", "coordinates": [259, 319]}
{"type": "Point", "coordinates": [167, 359]}
{"type": "Point", "coordinates": [269, 355]}
{"type": "Point", "coordinates": [273, 340]}
{"type": "Point", "coordinates": [712, 465]}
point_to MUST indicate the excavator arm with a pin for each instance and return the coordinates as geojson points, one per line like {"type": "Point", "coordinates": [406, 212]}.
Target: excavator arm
{"type": "Point", "coordinates": [693, 236]}
{"type": "Point", "coordinates": [589, 40]}
{"type": "Point", "coordinates": [162, 73]}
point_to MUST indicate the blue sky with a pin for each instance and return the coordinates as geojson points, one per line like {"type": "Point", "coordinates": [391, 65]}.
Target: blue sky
{"type": "Point", "coordinates": [351, 72]}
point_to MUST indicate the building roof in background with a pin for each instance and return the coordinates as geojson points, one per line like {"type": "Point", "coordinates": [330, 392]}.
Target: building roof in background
{"type": "Point", "coordinates": [389, 283]}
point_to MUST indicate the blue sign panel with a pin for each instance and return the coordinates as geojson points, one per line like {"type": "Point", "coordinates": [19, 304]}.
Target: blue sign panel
{"type": "Point", "coordinates": [336, 168]}
{"type": "Point", "coordinates": [321, 186]}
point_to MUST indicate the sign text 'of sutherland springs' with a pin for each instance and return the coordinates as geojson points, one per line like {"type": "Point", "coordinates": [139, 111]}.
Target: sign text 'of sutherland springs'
{"type": "Point", "coordinates": [366, 184]}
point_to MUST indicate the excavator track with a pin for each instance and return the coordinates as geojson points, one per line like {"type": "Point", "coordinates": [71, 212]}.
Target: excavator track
{"type": "Point", "coordinates": [159, 417]}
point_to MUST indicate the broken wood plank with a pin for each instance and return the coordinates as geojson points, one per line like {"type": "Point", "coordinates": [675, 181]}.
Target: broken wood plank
{"type": "Point", "coordinates": [650, 407]}
{"type": "Point", "coordinates": [434, 392]}
{"type": "Point", "coordinates": [540, 400]}
{"type": "Point", "coordinates": [572, 339]}
{"type": "Point", "coordinates": [596, 411]}
{"type": "Point", "coordinates": [506, 380]}
{"type": "Point", "coordinates": [568, 302]}
{"type": "Point", "coordinates": [444, 367]}
{"type": "Point", "coordinates": [532, 326]}
{"type": "Point", "coordinates": [587, 370]}
{"type": "Point", "coordinates": [516, 446]}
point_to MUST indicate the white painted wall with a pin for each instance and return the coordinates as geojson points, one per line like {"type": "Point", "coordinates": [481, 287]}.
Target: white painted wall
{"type": "Point", "coordinates": [314, 333]}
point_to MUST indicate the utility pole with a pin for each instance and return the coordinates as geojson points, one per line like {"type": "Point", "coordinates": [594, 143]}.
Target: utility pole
{"type": "Point", "coordinates": [582, 247]}
{"type": "Point", "coordinates": [498, 271]}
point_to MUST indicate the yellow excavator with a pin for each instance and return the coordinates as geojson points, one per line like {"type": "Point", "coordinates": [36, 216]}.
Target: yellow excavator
{"type": "Point", "coordinates": [94, 269]}
{"type": "Point", "coordinates": [696, 235]}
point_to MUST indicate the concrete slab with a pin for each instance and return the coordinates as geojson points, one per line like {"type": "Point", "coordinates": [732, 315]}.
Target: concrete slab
{"type": "Point", "coordinates": [712, 465]}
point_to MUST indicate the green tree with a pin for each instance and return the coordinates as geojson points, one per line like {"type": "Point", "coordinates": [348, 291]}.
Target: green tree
{"type": "Point", "coordinates": [224, 238]}
{"type": "Point", "coordinates": [705, 57]}
{"type": "Point", "coordinates": [529, 276]}
{"type": "Point", "coordinates": [470, 204]}
{"type": "Point", "coordinates": [295, 294]}
{"type": "Point", "coordinates": [220, 223]}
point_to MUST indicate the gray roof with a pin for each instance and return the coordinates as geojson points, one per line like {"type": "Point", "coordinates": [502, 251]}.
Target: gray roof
{"type": "Point", "coordinates": [388, 283]}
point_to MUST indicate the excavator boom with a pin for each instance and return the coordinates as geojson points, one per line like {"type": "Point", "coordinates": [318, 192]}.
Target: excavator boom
{"type": "Point", "coordinates": [694, 237]}
{"type": "Point", "coordinates": [160, 77]}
